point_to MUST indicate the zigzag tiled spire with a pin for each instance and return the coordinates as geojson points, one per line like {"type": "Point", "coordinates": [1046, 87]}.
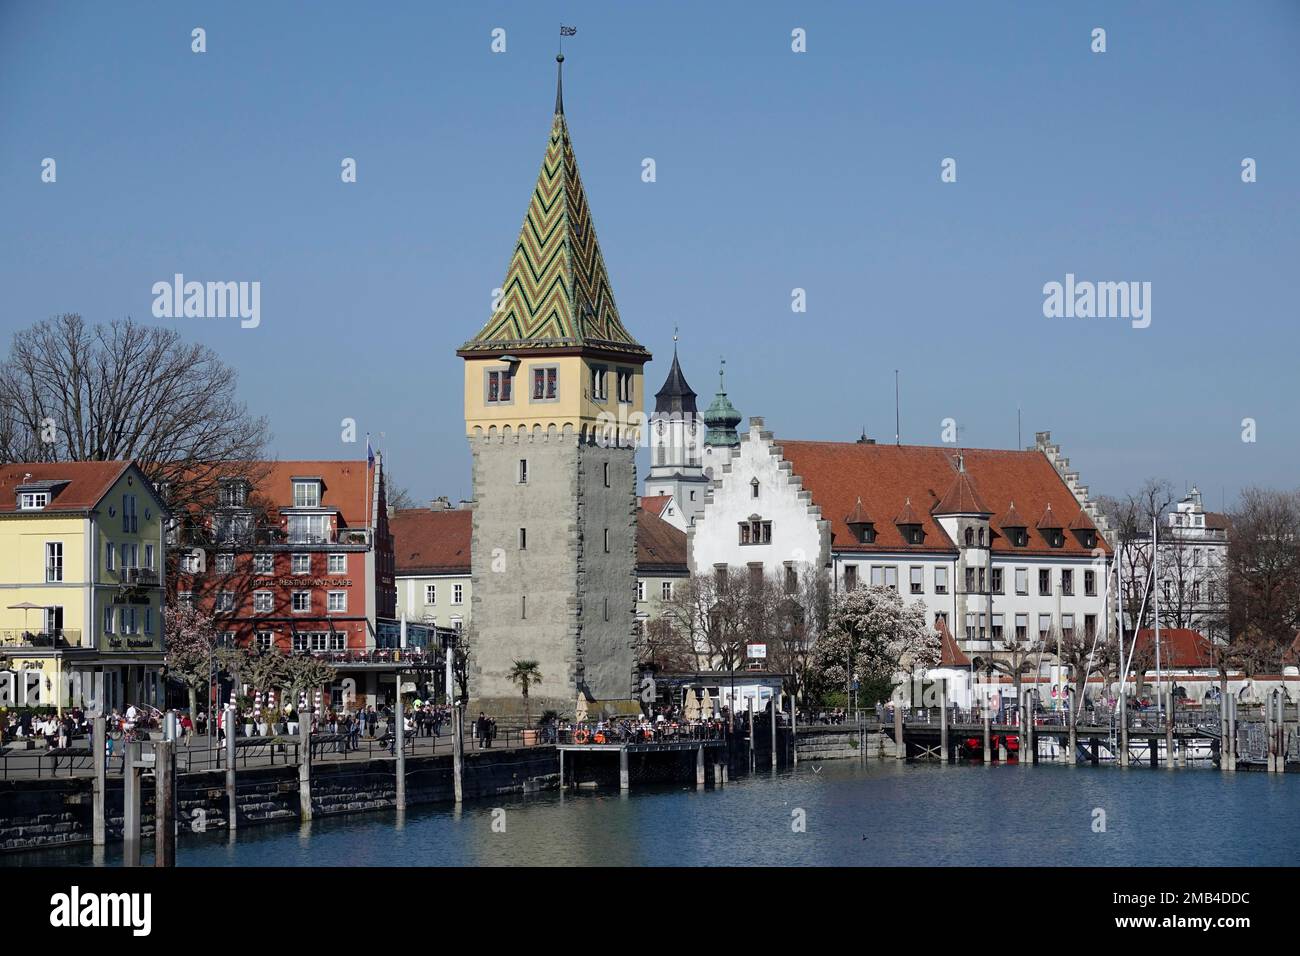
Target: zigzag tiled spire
{"type": "Point", "coordinates": [556, 293]}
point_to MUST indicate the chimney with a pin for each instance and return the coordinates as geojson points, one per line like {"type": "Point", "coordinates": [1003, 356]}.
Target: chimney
{"type": "Point", "coordinates": [441, 503]}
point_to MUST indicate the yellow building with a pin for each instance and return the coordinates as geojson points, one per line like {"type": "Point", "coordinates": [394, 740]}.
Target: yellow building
{"type": "Point", "coordinates": [81, 585]}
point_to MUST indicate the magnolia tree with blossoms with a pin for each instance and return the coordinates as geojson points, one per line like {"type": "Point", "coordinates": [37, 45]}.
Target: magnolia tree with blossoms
{"type": "Point", "coordinates": [192, 637]}
{"type": "Point", "coordinates": [871, 634]}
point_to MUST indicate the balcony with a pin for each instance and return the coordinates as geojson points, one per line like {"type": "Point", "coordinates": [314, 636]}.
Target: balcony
{"type": "Point", "coordinates": [27, 638]}
{"type": "Point", "coordinates": [138, 577]}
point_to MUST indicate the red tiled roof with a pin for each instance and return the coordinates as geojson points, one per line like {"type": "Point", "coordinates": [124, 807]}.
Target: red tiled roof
{"type": "Point", "coordinates": [1012, 519]}
{"type": "Point", "coordinates": [87, 483]}
{"type": "Point", "coordinates": [858, 515]}
{"type": "Point", "coordinates": [1049, 520]}
{"type": "Point", "coordinates": [1217, 522]}
{"type": "Point", "coordinates": [438, 542]}
{"type": "Point", "coordinates": [431, 542]}
{"type": "Point", "coordinates": [1180, 647]}
{"type": "Point", "coordinates": [908, 515]}
{"type": "Point", "coordinates": [950, 654]}
{"type": "Point", "coordinates": [656, 503]}
{"type": "Point", "coordinates": [961, 499]}
{"type": "Point", "coordinates": [883, 476]}
{"type": "Point", "coordinates": [659, 546]}
{"type": "Point", "coordinates": [1082, 522]}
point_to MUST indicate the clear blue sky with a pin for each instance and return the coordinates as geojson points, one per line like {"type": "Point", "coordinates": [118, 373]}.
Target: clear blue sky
{"type": "Point", "coordinates": [776, 170]}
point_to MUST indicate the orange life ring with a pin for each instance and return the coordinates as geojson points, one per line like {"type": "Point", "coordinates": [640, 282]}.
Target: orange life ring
{"type": "Point", "coordinates": [600, 736]}
{"type": "Point", "coordinates": [581, 736]}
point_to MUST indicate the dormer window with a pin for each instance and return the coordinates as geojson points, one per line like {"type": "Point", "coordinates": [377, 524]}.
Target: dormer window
{"type": "Point", "coordinates": [33, 500]}
{"type": "Point", "coordinates": [306, 493]}
{"type": "Point", "coordinates": [233, 493]}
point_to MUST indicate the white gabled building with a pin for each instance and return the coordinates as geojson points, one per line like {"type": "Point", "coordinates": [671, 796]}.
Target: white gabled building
{"type": "Point", "coordinates": [997, 543]}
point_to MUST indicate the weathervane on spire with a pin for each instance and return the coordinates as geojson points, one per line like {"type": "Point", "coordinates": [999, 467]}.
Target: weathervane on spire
{"type": "Point", "coordinates": [559, 69]}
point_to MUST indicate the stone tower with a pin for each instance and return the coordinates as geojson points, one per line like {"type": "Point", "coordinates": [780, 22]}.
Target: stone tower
{"type": "Point", "coordinates": [553, 386]}
{"type": "Point", "coordinates": [677, 445]}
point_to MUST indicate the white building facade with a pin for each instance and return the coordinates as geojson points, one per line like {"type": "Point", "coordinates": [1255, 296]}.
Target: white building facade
{"type": "Point", "coordinates": [995, 543]}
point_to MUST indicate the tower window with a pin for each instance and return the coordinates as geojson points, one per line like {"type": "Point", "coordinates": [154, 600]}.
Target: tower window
{"type": "Point", "coordinates": [607, 541]}
{"type": "Point", "coordinates": [753, 488]}
{"type": "Point", "coordinates": [606, 474]}
{"type": "Point", "coordinates": [498, 386]}
{"type": "Point", "coordinates": [523, 606]}
{"type": "Point", "coordinates": [523, 471]}
{"type": "Point", "coordinates": [599, 383]}
{"type": "Point", "coordinates": [523, 539]}
{"type": "Point", "coordinates": [546, 383]}
{"type": "Point", "coordinates": [625, 385]}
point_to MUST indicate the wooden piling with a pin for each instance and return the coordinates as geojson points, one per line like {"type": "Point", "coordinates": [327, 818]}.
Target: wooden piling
{"type": "Point", "coordinates": [131, 804]}
{"type": "Point", "coordinates": [699, 766]}
{"type": "Point", "coordinates": [624, 777]}
{"type": "Point", "coordinates": [164, 820]}
{"type": "Point", "coordinates": [399, 748]}
{"type": "Point", "coordinates": [1230, 741]}
{"type": "Point", "coordinates": [1123, 726]}
{"type": "Point", "coordinates": [304, 765]}
{"type": "Point", "coordinates": [987, 756]}
{"type": "Point", "coordinates": [943, 721]}
{"type": "Point", "coordinates": [1169, 727]}
{"type": "Point", "coordinates": [773, 707]}
{"type": "Point", "coordinates": [900, 748]}
{"type": "Point", "coordinates": [232, 823]}
{"type": "Point", "coordinates": [98, 750]}
{"type": "Point", "coordinates": [458, 752]}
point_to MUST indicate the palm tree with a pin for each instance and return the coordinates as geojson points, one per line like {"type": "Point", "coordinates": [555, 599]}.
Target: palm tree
{"type": "Point", "coordinates": [525, 674]}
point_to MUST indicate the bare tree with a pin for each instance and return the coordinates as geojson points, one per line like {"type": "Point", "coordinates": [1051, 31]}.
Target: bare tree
{"type": "Point", "coordinates": [1263, 576]}
{"type": "Point", "coordinates": [123, 391]}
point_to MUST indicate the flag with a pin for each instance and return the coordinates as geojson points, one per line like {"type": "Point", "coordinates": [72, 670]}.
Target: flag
{"type": "Point", "coordinates": [568, 31]}
{"type": "Point", "coordinates": [370, 453]}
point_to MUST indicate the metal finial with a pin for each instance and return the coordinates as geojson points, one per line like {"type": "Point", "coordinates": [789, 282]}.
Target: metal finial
{"type": "Point", "coordinates": [559, 83]}
{"type": "Point", "coordinates": [722, 376]}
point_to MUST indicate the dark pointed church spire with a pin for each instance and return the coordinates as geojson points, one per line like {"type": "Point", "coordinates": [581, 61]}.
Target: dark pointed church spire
{"type": "Point", "coordinates": [676, 396]}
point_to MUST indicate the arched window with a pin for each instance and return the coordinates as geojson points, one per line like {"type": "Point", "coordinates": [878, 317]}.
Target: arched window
{"type": "Point", "coordinates": [970, 537]}
{"type": "Point", "coordinates": [981, 537]}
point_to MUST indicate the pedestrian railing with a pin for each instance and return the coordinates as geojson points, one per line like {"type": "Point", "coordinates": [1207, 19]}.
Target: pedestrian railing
{"type": "Point", "coordinates": [633, 734]}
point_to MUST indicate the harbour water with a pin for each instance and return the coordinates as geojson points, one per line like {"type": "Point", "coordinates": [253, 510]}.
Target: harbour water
{"type": "Point", "coordinates": [855, 813]}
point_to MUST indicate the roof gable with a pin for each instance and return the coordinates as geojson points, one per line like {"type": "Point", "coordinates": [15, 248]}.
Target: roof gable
{"type": "Point", "coordinates": [84, 483]}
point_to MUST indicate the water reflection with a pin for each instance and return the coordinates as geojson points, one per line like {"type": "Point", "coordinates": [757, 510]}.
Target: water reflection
{"type": "Point", "coordinates": [852, 813]}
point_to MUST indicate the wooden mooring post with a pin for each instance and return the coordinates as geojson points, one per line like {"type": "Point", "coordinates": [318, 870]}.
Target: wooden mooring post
{"type": "Point", "coordinates": [988, 757]}
{"type": "Point", "coordinates": [1169, 727]}
{"type": "Point", "coordinates": [458, 752]}
{"type": "Point", "coordinates": [1123, 726]}
{"type": "Point", "coordinates": [232, 823]}
{"type": "Point", "coordinates": [943, 720]}
{"type": "Point", "coordinates": [773, 708]}
{"type": "Point", "coordinates": [900, 748]}
{"type": "Point", "coordinates": [131, 804]}
{"type": "Point", "coordinates": [304, 764]}
{"type": "Point", "coordinates": [794, 731]}
{"type": "Point", "coordinates": [399, 748]}
{"type": "Point", "coordinates": [1229, 748]}
{"type": "Point", "coordinates": [164, 793]}
{"type": "Point", "coordinates": [98, 750]}
{"type": "Point", "coordinates": [699, 767]}
{"type": "Point", "coordinates": [1027, 724]}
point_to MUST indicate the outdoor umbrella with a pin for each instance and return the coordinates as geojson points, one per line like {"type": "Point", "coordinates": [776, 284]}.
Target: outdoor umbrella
{"type": "Point", "coordinates": [26, 606]}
